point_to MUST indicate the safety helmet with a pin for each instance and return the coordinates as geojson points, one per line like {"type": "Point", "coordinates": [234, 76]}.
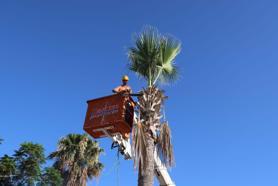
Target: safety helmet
{"type": "Point", "coordinates": [125, 78]}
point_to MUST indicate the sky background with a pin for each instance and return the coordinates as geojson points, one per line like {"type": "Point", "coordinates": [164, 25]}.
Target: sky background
{"type": "Point", "coordinates": [56, 55]}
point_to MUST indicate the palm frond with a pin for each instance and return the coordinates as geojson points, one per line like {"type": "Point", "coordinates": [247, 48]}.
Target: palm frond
{"type": "Point", "coordinates": [153, 55]}
{"type": "Point", "coordinates": [169, 49]}
{"type": "Point", "coordinates": [139, 146]}
{"type": "Point", "coordinates": [144, 55]}
{"type": "Point", "coordinates": [164, 145]}
{"type": "Point", "coordinates": [95, 170]}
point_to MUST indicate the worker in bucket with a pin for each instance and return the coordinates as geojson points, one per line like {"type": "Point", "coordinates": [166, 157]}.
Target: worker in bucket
{"type": "Point", "coordinates": [123, 88]}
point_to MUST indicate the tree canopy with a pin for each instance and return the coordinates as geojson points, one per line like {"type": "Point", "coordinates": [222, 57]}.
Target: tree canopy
{"type": "Point", "coordinates": [153, 56]}
{"type": "Point", "coordinates": [77, 158]}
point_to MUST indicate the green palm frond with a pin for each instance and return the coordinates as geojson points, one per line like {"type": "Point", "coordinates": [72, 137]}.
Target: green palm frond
{"type": "Point", "coordinates": [144, 55]}
{"type": "Point", "coordinates": [153, 55]}
{"type": "Point", "coordinates": [169, 49]}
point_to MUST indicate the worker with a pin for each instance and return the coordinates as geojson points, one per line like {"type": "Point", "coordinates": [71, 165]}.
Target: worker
{"type": "Point", "coordinates": [124, 88]}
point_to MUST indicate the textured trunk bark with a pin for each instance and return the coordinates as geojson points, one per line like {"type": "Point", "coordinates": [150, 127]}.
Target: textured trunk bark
{"type": "Point", "coordinates": [146, 177]}
{"type": "Point", "coordinates": [150, 104]}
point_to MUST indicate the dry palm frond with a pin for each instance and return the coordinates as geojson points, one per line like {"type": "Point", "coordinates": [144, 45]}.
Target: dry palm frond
{"type": "Point", "coordinates": [164, 145]}
{"type": "Point", "coordinates": [138, 145]}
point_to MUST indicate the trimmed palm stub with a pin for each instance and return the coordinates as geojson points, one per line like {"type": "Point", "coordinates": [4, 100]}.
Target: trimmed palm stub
{"type": "Point", "coordinates": [152, 59]}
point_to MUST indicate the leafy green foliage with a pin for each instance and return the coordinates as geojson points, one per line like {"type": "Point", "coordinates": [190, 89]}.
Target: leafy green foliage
{"type": "Point", "coordinates": [29, 158]}
{"type": "Point", "coordinates": [153, 56]}
{"type": "Point", "coordinates": [77, 158]}
{"type": "Point", "coordinates": [51, 177]}
{"type": "Point", "coordinates": [144, 55]}
{"type": "Point", "coordinates": [7, 170]}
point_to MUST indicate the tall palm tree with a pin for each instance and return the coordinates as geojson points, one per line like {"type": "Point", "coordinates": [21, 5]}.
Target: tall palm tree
{"type": "Point", "coordinates": [77, 158]}
{"type": "Point", "coordinates": [152, 58]}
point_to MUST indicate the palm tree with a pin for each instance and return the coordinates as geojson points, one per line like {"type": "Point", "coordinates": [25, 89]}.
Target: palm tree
{"type": "Point", "coordinates": [152, 58]}
{"type": "Point", "coordinates": [77, 158]}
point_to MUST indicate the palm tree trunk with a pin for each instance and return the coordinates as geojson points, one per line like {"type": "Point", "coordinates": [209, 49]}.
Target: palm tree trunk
{"type": "Point", "coordinates": [146, 176]}
{"type": "Point", "coordinates": [150, 104]}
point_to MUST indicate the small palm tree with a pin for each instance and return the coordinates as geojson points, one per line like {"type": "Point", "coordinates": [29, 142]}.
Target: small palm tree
{"type": "Point", "coordinates": [152, 58]}
{"type": "Point", "coordinates": [77, 158]}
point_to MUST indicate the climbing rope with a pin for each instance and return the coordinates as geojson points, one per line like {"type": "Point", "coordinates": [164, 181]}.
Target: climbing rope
{"type": "Point", "coordinates": [117, 168]}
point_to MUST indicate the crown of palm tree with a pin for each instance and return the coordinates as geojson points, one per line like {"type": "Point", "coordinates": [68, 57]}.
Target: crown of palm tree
{"type": "Point", "coordinates": [153, 56]}
{"type": "Point", "coordinates": [77, 157]}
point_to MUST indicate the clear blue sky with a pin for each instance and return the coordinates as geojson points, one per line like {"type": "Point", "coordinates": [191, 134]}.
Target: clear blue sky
{"type": "Point", "coordinates": [55, 55]}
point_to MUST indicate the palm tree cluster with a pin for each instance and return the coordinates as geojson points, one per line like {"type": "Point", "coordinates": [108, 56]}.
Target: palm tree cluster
{"type": "Point", "coordinates": [153, 59]}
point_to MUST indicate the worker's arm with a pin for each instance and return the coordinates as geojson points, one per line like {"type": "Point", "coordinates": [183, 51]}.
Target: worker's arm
{"type": "Point", "coordinates": [116, 90]}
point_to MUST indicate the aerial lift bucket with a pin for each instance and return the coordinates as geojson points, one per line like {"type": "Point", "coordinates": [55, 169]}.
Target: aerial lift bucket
{"type": "Point", "coordinates": [109, 115]}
